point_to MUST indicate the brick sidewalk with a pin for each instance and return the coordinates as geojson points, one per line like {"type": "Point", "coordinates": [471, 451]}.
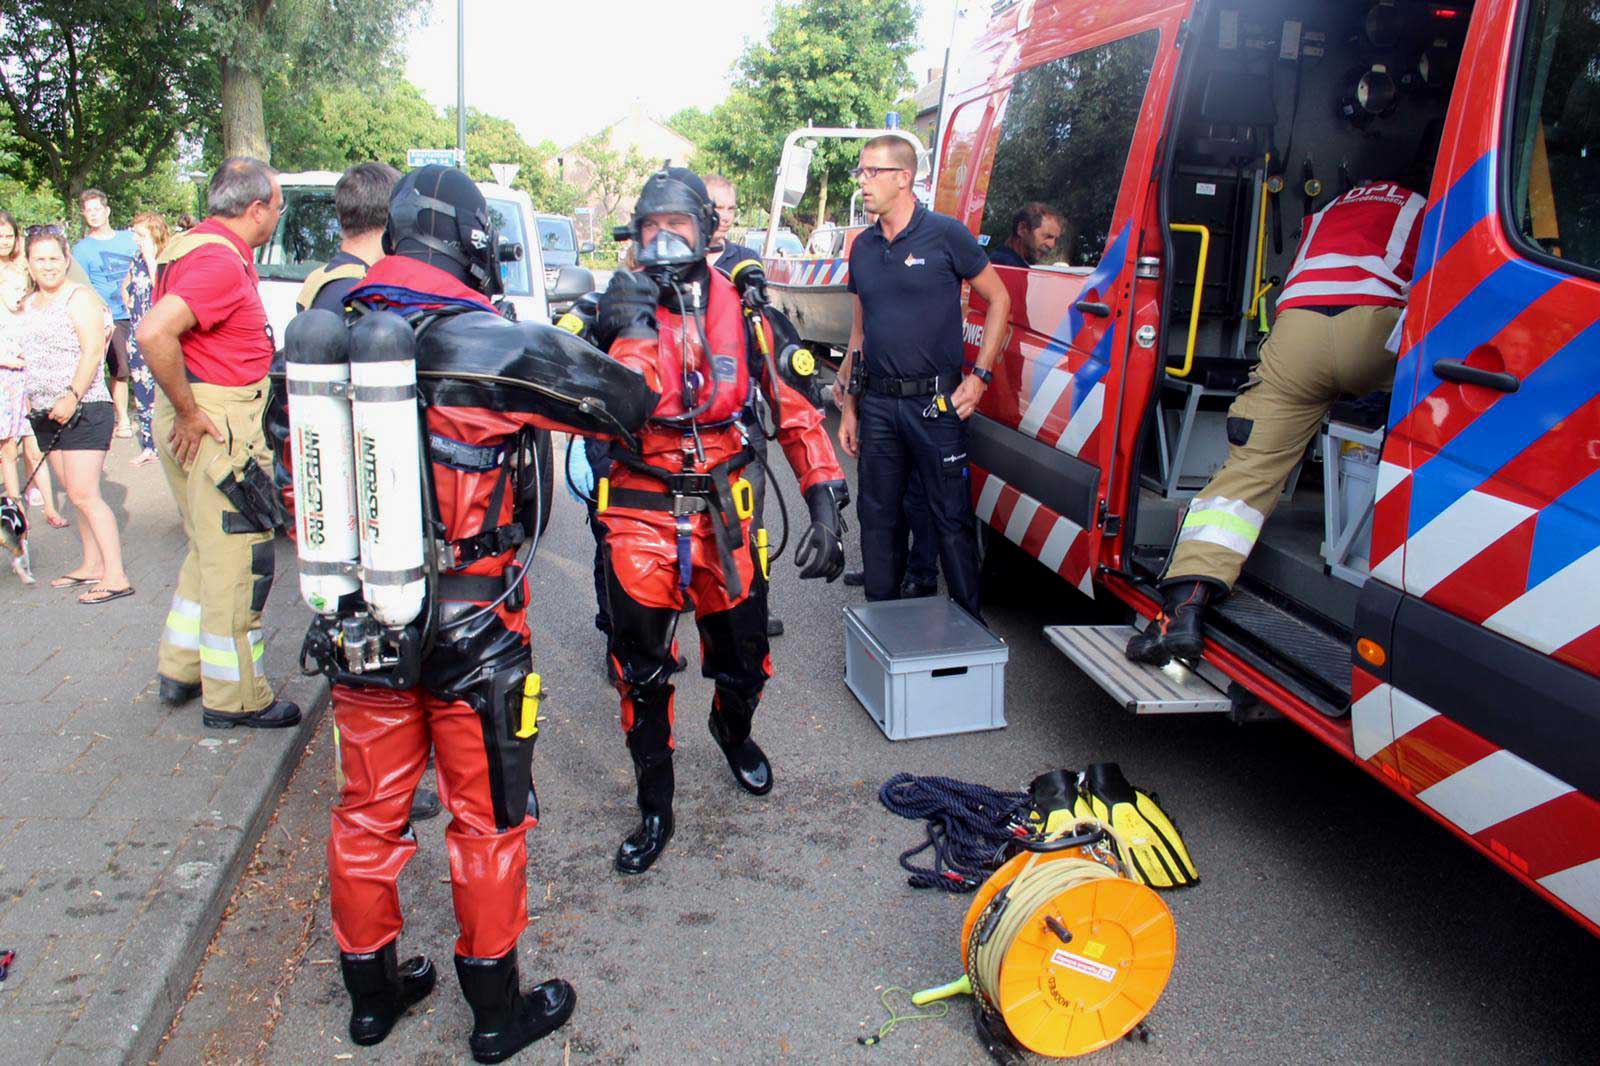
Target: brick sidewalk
{"type": "Point", "coordinates": [124, 823]}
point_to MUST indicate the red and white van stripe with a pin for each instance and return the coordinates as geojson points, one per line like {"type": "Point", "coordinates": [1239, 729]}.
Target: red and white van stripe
{"type": "Point", "coordinates": [1058, 543]}
{"type": "Point", "coordinates": [1535, 822]}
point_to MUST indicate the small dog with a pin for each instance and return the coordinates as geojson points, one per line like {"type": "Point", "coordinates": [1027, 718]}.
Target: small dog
{"type": "Point", "coordinates": [14, 536]}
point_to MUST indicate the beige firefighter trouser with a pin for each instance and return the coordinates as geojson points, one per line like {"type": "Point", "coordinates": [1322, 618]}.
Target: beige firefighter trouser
{"type": "Point", "coordinates": [1307, 362]}
{"type": "Point", "coordinates": [213, 633]}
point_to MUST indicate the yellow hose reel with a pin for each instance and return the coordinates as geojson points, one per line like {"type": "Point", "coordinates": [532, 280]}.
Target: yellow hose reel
{"type": "Point", "coordinates": [1070, 953]}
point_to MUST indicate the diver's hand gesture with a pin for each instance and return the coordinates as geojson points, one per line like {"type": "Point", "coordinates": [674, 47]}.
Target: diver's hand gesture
{"type": "Point", "coordinates": [627, 308]}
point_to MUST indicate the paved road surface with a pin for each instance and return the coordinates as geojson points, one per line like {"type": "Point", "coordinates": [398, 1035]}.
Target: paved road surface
{"type": "Point", "coordinates": [1334, 923]}
{"type": "Point", "coordinates": [123, 824]}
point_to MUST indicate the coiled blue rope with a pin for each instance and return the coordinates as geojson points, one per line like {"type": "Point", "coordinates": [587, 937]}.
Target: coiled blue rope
{"type": "Point", "coordinates": [968, 825]}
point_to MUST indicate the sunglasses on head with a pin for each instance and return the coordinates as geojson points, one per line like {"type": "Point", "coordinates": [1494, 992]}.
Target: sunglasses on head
{"type": "Point", "coordinates": [34, 231]}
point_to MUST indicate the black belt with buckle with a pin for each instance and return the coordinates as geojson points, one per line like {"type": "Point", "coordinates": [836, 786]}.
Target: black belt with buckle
{"type": "Point", "coordinates": [915, 387]}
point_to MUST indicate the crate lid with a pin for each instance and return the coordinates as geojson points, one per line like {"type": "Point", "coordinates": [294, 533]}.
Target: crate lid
{"type": "Point", "coordinates": [927, 626]}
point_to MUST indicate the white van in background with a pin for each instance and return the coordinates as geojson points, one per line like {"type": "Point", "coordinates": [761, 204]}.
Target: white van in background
{"type": "Point", "coordinates": [308, 236]}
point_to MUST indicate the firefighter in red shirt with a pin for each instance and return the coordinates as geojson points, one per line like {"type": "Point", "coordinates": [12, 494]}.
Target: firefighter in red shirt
{"type": "Point", "coordinates": [485, 384]}
{"type": "Point", "coordinates": [1337, 308]}
{"type": "Point", "coordinates": [677, 511]}
{"type": "Point", "coordinates": [209, 346]}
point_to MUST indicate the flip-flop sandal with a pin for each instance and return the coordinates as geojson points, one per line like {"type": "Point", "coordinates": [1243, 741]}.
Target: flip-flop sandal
{"type": "Point", "coordinates": [67, 581]}
{"type": "Point", "coordinates": [100, 594]}
{"type": "Point", "coordinates": [56, 522]}
{"type": "Point", "coordinates": [124, 432]}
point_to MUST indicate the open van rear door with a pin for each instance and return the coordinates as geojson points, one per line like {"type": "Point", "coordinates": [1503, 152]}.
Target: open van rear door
{"type": "Point", "coordinates": [1074, 125]}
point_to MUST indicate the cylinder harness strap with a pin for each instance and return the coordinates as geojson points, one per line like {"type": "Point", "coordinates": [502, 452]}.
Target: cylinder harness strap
{"type": "Point", "coordinates": [686, 494]}
{"type": "Point", "coordinates": [490, 540]}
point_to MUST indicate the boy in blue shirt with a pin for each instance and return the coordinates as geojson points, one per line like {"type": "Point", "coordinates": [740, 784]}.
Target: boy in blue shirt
{"type": "Point", "coordinates": [104, 253]}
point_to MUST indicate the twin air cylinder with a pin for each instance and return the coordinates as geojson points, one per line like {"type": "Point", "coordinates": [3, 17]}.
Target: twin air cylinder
{"type": "Point", "coordinates": [356, 452]}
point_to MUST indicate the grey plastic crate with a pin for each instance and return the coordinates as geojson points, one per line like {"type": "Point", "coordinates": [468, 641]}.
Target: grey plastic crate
{"type": "Point", "coordinates": [924, 668]}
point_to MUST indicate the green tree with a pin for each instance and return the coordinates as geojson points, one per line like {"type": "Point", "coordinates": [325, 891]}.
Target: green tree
{"type": "Point", "coordinates": [335, 128]}
{"type": "Point", "coordinates": [96, 92]}
{"type": "Point", "coordinates": [491, 139]}
{"type": "Point", "coordinates": [824, 63]}
{"type": "Point", "coordinates": [605, 178]}
{"type": "Point", "coordinates": [694, 123]}
{"type": "Point", "coordinates": [311, 42]}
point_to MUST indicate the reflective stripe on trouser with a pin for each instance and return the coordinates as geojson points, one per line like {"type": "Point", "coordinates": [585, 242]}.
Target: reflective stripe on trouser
{"type": "Point", "coordinates": [183, 625]}
{"type": "Point", "coordinates": [213, 631]}
{"type": "Point", "coordinates": [1307, 363]}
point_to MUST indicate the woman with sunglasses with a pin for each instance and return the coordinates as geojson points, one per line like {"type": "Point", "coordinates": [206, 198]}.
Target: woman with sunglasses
{"type": "Point", "coordinates": [15, 428]}
{"type": "Point", "coordinates": [62, 330]}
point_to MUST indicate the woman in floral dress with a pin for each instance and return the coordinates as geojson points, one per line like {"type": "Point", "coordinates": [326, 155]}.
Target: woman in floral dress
{"type": "Point", "coordinates": [149, 233]}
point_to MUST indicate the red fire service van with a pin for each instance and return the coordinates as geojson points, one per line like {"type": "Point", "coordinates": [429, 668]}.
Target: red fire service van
{"type": "Point", "coordinates": [1425, 597]}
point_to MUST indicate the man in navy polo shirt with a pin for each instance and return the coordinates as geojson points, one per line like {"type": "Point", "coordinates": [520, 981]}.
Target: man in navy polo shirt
{"type": "Point", "coordinates": [909, 419]}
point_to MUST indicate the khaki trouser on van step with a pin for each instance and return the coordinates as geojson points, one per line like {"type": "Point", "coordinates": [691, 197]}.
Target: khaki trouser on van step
{"type": "Point", "coordinates": [213, 633]}
{"type": "Point", "coordinates": [1307, 362]}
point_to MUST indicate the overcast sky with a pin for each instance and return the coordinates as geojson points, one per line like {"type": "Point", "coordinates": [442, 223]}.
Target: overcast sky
{"type": "Point", "coordinates": [525, 63]}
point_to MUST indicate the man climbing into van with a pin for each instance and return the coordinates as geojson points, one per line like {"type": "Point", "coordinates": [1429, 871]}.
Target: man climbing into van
{"type": "Point", "coordinates": [1336, 311]}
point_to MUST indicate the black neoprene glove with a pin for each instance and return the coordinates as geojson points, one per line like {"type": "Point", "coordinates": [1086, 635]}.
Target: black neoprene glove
{"type": "Point", "coordinates": [820, 552]}
{"type": "Point", "coordinates": [752, 285]}
{"type": "Point", "coordinates": [627, 308]}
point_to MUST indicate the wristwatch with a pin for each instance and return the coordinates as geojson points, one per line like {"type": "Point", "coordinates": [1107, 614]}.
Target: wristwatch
{"type": "Point", "coordinates": [985, 376]}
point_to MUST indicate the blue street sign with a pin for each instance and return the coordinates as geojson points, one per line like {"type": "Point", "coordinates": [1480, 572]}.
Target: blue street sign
{"type": "Point", "coordinates": [422, 157]}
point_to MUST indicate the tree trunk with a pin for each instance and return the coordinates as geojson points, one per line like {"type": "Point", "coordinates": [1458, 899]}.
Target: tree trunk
{"type": "Point", "coordinates": [244, 125]}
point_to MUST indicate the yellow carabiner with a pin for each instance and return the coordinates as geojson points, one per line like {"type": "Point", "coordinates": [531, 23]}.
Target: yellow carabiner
{"type": "Point", "coordinates": [532, 693]}
{"type": "Point", "coordinates": [602, 495]}
{"type": "Point", "coordinates": [744, 498]}
{"type": "Point", "coordinates": [761, 551]}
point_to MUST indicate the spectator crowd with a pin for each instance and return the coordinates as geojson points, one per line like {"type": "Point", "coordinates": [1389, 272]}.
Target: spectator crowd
{"type": "Point", "coordinates": [72, 378]}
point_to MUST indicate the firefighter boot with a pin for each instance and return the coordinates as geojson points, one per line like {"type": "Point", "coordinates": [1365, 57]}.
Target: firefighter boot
{"type": "Point", "coordinates": [381, 990]}
{"type": "Point", "coordinates": [645, 845]}
{"type": "Point", "coordinates": [1175, 633]}
{"type": "Point", "coordinates": [506, 1019]}
{"type": "Point", "coordinates": [730, 728]}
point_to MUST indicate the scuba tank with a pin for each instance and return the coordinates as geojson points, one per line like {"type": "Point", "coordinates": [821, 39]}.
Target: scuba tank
{"type": "Point", "coordinates": [388, 461]}
{"type": "Point", "coordinates": [317, 369]}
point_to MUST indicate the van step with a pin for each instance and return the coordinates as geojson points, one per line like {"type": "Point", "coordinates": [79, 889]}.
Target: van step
{"type": "Point", "coordinates": [1097, 650]}
{"type": "Point", "coordinates": [1319, 655]}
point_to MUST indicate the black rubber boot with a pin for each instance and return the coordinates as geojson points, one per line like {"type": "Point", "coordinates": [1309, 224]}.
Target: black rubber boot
{"type": "Point", "coordinates": [424, 805]}
{"type": "Point", "coordinates": [855, 578]}
{"type": "Point", "coordinates": [730, 728]}
{"type": "Point", "coordinates": [646, 843]}
{"type": "Point", "coordinates": [280, 714]}
{"type": "Point", "coordinates": [506, 1019]}
{"type": "Point", "coordinates": [1175, 633]}
{"type": "Point", "coordinates": [175, 693]}
{"type": "Point", "coordinates": [774, 626]}
{"type": "Point", "coordinates": [381, 990]}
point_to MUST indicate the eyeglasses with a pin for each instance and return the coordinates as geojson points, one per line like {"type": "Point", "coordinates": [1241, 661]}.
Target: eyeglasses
{"type": "Point", "coordinates": [34, 231]}
{"type": "Point", "coordinates": [871, 172]}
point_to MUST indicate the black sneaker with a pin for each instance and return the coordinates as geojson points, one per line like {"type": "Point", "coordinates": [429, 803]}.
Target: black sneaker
{"type": "Point", "coordinates": [280, 715]}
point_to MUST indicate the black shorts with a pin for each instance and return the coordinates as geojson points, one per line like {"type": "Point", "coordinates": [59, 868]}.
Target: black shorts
{"type": "Point", "coordinates": [91, 432]}
{"type": "Point", "coordinates": [117, 350]}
